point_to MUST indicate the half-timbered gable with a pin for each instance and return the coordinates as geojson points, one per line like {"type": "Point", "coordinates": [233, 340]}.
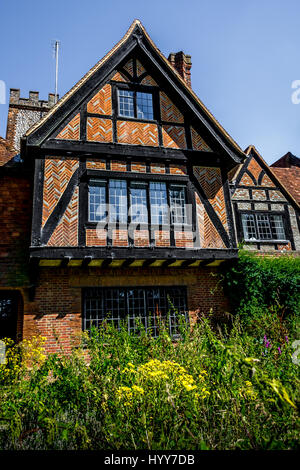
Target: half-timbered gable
{"type": "Point", "coordinates": [266, 214]}
{"type": "Point", "coordinates": [131, 164]}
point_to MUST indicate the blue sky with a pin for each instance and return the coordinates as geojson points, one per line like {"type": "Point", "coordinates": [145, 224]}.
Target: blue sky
{"type": "Point", "coordinates": [245, 55]}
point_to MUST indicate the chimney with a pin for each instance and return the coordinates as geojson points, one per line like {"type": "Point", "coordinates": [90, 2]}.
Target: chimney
{"type": "Point", "coordinates": [182, 63]}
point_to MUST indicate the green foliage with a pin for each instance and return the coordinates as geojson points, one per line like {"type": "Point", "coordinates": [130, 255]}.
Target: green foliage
{"type": "Point", "coordinates": [264, 291]}
{"type": "Point", "coordinates": [210, 390]}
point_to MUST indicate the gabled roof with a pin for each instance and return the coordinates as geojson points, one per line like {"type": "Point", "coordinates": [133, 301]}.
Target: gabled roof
{"type": "Point", "coordinates": [287, 169]}
{"type": "Point", "coordinates": [135, 38]}
{"type": "Point", "coordinates": [6, 151]}
{"type": "Point", "coordinates": [252, 151]}
{"type": "Point", "coordinates": [287, 161]}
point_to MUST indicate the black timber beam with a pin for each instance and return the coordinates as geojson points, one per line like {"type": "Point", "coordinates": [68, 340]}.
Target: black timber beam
{"type": "Point", "coordinates": [132, 253]}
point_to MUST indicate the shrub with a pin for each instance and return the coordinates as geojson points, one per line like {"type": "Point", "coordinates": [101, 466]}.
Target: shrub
{"type": "Point", "coordinates": [207, 391]}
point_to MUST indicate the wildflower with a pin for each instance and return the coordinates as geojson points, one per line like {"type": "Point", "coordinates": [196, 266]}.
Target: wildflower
{"type": "Point", "coordinates": [138, 389]}
{"type": "Point", "coordinates": [279, 349]}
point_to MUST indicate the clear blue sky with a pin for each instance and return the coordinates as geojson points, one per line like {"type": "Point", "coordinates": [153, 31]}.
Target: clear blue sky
{"type": "Point", "coordinates": [245, 55]}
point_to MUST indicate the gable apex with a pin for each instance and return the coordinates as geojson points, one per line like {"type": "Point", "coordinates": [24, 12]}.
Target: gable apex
{"type": "Point", "coordinates": [136, 41]}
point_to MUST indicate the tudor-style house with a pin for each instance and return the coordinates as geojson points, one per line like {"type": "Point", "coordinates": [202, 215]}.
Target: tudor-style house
{"type": "Point", "coordinates": [123, 198]}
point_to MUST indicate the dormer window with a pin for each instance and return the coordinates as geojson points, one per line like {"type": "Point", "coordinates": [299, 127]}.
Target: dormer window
{"type": "Point", "coordinates": [135, 104]}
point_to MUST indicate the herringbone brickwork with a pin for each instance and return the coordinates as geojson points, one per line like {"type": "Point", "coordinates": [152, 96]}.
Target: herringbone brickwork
{"type": "Point", "coordinates": [101, 101]}
{"type": "Point", "coordinates": [56, 178]}
{"type": "Point", "coordinates": [137, 133]}
{"type": "Point", "coordinates": [173, 137]}
{"type": "Point", "coordinates": [66, 231]}
{"type": "Point", "coordinates": [198, 143]}
{"type": "Point", "coordinates": [210, 180]}
{"type": "Point", "coordinates": [99, 130]}
{"type": "Point", "coordinates": [149, 81]}
{"type": "Point", "coordinates": [208, 234]}
{"type": "Point", "coordinates": [72, 130]}
{"type": "Point", "coordinates": [169, 112]}
{"type": "Point", "coordinates": [119, 77]}
{"type": "Point", "coordinates": [129, 67]}
{"type": "Point", "coordinates": [139, 68]}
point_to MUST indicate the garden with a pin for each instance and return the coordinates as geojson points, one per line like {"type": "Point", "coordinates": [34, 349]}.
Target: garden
{"type": "Point", "coordinates": [228, 383]}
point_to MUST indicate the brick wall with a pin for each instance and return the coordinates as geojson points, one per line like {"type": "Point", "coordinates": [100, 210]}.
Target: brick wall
{"type": "Point", "coordinates": [56, 312]}
{"type": "Point", "coordinates": [15, 216]}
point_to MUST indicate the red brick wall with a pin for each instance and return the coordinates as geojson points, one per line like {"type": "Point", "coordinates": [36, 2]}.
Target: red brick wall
{"type": "Point", "coordinates": [15, 216]}
{"type": "Point", "coordinates": [56, 312]}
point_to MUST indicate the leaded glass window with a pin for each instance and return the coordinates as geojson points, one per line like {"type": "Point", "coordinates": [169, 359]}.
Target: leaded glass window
{"type": "Point", "coordinates": [146, 305]}
{"type": "Point", "coordinates": [126, 103]}
{"type": "Point", "coordinates": [263, 226]}
{"type": "Point", "coordinates": [118, 201]}
{"type": "Point", "coordinates": [138, 203]}
{"type": "Point", "coordinates": [144, 105]}
{"type": "Point", "coordinates": [159, 204]}
{"type": "Point", "coordinates": [135, 104]}
{"type": "Point", "coordinates": [97, 201]}
{"type": "Point", "coordinates": [177, 205]}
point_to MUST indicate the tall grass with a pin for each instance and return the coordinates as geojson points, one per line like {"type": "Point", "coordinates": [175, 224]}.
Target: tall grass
{"type": "Point", "coordinates": [213, 389]}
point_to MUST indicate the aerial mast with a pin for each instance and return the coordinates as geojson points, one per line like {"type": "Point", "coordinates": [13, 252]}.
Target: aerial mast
{"type": "Point", "coordinates": [56, 45]}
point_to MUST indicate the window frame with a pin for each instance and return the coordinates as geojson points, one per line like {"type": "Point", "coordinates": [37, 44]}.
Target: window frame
{"type": "Point", "coordinates": [145, 184]}
{"type": "Point", "coordinates": [136, 89]}
{"type": "Point", "coordinates": [123, 310]}
{"type": "Point", "coordinates": [269, 214]}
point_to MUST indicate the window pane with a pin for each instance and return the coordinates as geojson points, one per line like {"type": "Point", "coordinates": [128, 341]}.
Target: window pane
{"type": "Point", "coordinates": [277, 227]}
{"type": "Point", "coordinates": [117, 201]}
{"type": "Point", "coordinates": [141, 305]}
{"type": "Point", "coordinates": [159, 204]}
{"type": "Point", "coordinates": [177, 202]}
{"type": "Point", "coordinates": [138, 204]}
{"type": "Point", "coordinates": [248, 224]}
{"type": "Point", "coordinates": [144, 105]}
{"type": "Point", "coordinates": [264, 229]}
{"type": "Point", "coordinates": [126, 103]}
{"type": "Point", "coordinates": [97, 206]}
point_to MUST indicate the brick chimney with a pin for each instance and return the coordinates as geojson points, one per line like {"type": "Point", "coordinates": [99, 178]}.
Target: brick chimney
{"type": "Point", "coordinates": [182, 63]}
